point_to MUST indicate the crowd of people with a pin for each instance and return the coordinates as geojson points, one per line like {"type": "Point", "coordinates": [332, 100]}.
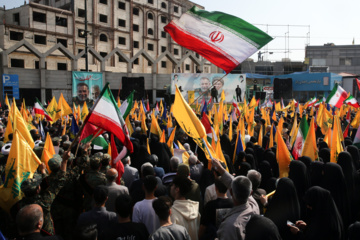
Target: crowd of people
{"type": "Point", "coordinates": [162, 196]}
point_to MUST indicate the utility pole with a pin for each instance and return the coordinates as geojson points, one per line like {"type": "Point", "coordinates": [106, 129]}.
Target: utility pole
{"type": "Point", "coordinates": [86, 40]}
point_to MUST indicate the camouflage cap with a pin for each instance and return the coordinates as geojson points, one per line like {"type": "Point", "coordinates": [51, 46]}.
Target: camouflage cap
{"type": "Point", "coordinates": [56, 139]}
{"type": "Point", "coordinates": [55, 162]}
{"type": "Point", "coordinates": [38, 151]}
{"type": "Point", "coordinates": [1, 144]}
{"type": "Point", "coordinates": [99, 154]}
{"type": "Point", "coordinates": [95, 160]}
{"type": "Point", "coordinates": [66, 145]}
{"type": "Point", "coordinates": [30, 185]}
{"type": "Point", "coordinates": [106, 159]}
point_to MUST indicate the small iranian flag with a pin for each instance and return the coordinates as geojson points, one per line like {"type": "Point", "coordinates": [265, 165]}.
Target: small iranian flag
{"type": "Point", "coordinates": [337, 96]}
{"type": "Point", "coordinates": [352, 102]}
{"type": "Point", "coordinates": [39, 109]}
{"type": "Point", "coordinates": [126, 106]}
{"type": "Point", "coordinates": [312, 101]}
{"type": "Point", "coordinates": [106, 115]}
{"type": "Point", "coordinates": [235, 105]}
{"type": "Point", "coordinates": [317, 104]}
{"type": "Point", "coordinates": [300, 138]}
{"type": "Point", "coordinates": [223, 39]}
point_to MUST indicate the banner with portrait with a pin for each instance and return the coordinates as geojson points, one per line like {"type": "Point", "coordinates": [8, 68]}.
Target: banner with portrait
{"type": "Point", "coordinates": [198, 86]}
{"type": "Point", "coordinates": [86, 87]}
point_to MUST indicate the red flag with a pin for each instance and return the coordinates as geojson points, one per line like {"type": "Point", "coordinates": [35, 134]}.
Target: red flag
{"type": "Point", "coordinates": [358, 83]}
{"type": "Point", "coordinates": [205, 121]}
{"type": "Point", "coordinates": [119, 166]}
{"type": "Point", "coordinates": [88, 130]}
{"type": "Point", "coordinates": [346, 132]}
{"type": "Point", "coordinates": [148, 106]}
{"type": "Point", "coordinates": [348, 116]}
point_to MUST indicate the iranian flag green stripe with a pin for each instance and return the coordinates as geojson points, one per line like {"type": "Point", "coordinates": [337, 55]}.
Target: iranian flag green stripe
{"type": "Point", "coordinates": [300, 138]}
{"type": "Point", "coordinates": [222, 39]}
{"type": "Point", "coordinates": [352, 102]}
{"type": "Point", "coordinates": [39, 109]}
{"type": "Point", "coordinates": [337, 96]}
{"type": "Point", "coordinates": [107, 116]}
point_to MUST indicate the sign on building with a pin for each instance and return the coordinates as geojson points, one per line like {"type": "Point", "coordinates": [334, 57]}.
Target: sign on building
{"type": "Point", "coordinates": [11, 86]}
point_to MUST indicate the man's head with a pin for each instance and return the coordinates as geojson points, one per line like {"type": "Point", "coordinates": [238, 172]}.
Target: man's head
{"type": "Point", "coordinates": [31, 186]}
{"type": "Point", "coordinates": [123, 205]}
{"type": "Point", "coordinates": [154, 159]}
{"type": "Point", "coordinates": [180, 186]}
{"type": "Point", "coordinates": [220, 186]}
{"type": "Point", "coordinates": [240, 190]}
{"type": "Point", "coordinates": [111, 175]}
{"type": "Point", "coordinates": [255, 178]}
{"type": "Point", "coordinates": [174, 163]}
{"type": "Point", "coordinates": [29, 219]}
{"type": "Point", "coordinates": [126, 160]}
{"type": "Point", "coordinates": [147, 169]}
{"type": "Point", "coordinates": [88, 232]}
{"type": "Point", "coordinates": [204, 84]}
{"type": "Point", "coordinates": [183, 170]}
{"type": "Point", "coordinates": [162, 207]}
{"type": "Point", "coordinates": [100, 195]}
{"type": "Point", "coordinates": [150, 184]}
{"type": "Point", "coordinates": [192, 160]}
{"type": "Point", "coordinates": [82, 91]}
{"type": "Point", "coordinates": [95, 91]}
{"type": "Point", "coordinates": [218, 83]}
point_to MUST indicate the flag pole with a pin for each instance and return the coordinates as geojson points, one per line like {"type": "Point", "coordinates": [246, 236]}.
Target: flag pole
{"type": "Point", "coordinates": [208, 89]}
{"type": "Point", "coordinates": [207, 149]}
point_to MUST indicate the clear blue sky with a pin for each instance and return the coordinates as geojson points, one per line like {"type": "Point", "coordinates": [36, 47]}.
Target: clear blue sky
{"type": "Point", "coordinates": [330, 22]}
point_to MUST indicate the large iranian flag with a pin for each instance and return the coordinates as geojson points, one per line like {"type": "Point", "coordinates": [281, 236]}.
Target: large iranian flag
{"type": "Point", "coordinates": [39, 109]}
{"type": "Point", "coordinates": [300, 138]}
{"type": "Point", "coordinates": [223, 39]}
{"type": "Point", "coordinates": [106, 115]}
{"type": "Point", "coordinates": [337, 96]}
{"type": "Point", "coordinates": [352, 102]}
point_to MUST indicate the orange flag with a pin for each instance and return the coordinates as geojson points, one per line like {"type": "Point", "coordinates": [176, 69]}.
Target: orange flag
{"type": "Point", "coordinates": [283, 156]}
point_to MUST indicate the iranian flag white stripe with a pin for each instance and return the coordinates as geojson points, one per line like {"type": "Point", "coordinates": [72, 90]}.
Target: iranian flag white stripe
{"type": "Point", "coordinates": [222, 39]}
{"type": "Point", "coordinates": [352, 102]}
{"type": "Point", "coordinates": [337, 96]}
{"type": "Point", "coordinates": [312, 101]}
{"type": "Point", "coordinates": [300, 138]}
{"type": "Point", "coordinates": [236, 107]}
{"type": "Point", "coordinates": [39, 109]}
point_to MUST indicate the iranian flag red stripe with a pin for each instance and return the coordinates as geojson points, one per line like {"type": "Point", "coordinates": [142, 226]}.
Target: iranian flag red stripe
{"type": "Point", "coordinates": [39, 109]}
{"type": "Point", "coordinates": [337, 96]}
{"type": "Point", "coordinates": [106, 115]}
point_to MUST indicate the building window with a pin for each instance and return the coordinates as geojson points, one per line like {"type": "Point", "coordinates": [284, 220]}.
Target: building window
{"type": "Point", "coordinates": [102, 18]}
{"type": "Point", "coordinates": [163, 34]}
{"type": "Point", "coordinates": [187, 67]}
{"type": "Point", "coordinates": [81, 13]}
{"type": "Point", "coordinates": [176, 51]}
{"type": "Point", "coordinates": [79, 51]}
{"type": "Point", "coordinates": [18, 63]}
{"type": "Point", "coordinates": [345, 61]}
{"type": "Point", "coordinates": [150, 31]}
{"type": "Point", "coordinates": [136, 44]}
{"type": "Point", "coordinates": [60, 21]}
{"type": "Point", "coordinates": [103, 1]}
{"type": "Point", "coordinates": [16, 36]}
{"type": "Point", "coordinates": [61, 66]}
{"type": "Point", "coordinates": [121, 59]}
{"type": "Point", "coordinates": [121, 5]}
{"type": "Point", "coordinates": [40, 39]}
{"type": "Point", "coordinates": [150, 16]}
{"type": "Point", "coordinates": [163, 49]}
{"type": "Point", "coordinates": [135, 27]}
{"type": "Point", "coordinates": [176, 9]}
{"type": "Point", "coordinates": [151, 1]}
{"type": "Point", "coordinates": [16, 18]}
{"type": "Point", "coordinates": [103, 54]}
{"type": "Point", "coordinates": [163, 19]}
{"type": "Point", "coordinates": [122, 23]}
{"type": "Point", "coordinates": [150, 47]}
{"type": "Point", "coordinates": [39, 17]}
{"type": "Point", "coordinates": [136, 11]}
{"type": "Point", "coordinates": [197, 55]}
{"type": "Point", "coordinates": [163, 64]}
{"type": "Point", "coordinates": [163, 5]}
{"type": "Point", "coordinates": [62, 41]}
{"type": "Point", "coordinates": [103, 38]}
{"type": "Point", "coordinates": [149, 64]}
{"type": "Point", "coordinates": [136, 61]}
{"type": "Point", "coordinates": [81, 33]}
{"type": "Point", "coordinates": [122, 40]}
{"type": "Point", "coordinates": [37, 65]}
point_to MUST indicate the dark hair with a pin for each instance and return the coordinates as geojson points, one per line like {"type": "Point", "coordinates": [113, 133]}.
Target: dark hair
{"type": "Point", "coordinates": [88, 232]}
{"type": "Point", "coordinates": [150, 183]}
{"type": "Point", "coordinates": [220, 186]}
{"type": "Point", "coordinates": [82, 85]}
{"type": "Point", "coordinates": [123, 205]}
{"type": "Point", "coordinates": [183, 183]}
{"type": "Point", "coordinates": [100, 194]}
{"type": "Point", "coordinates": [162, 207]}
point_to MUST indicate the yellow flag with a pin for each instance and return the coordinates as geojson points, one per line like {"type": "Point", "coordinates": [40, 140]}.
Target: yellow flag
{"type": "Point", "coordinates": [109, 149]}
{"type": "Point", "coordinates": [310, 148]}
{"type": "Point", "coordinates": [7, 101]}
{"type": "Point", "coordinates": [84, 112]}
{"type": "Point", "coordinates": [21, 165]}
{"type": "Point", "coordinates": [147, 146]}
{"type": "Point", "coordinates": [283, 156]}
{"type": "Point", "coordinates": [128, 125]}
{"type": "Point", "coordinates": [9, 129]}
{"type": "Point", "coordinates": [271, 142]}
{"type": "Point", "coordinates": [185, 155]}
{"type": "Point", "coordinates": [63, 108]}
{"type": "Point", "coordinates": [143, 123]}
{"type": "Point", "coordinates": [48, 151]}
{"type": "Point", "coordinates": [260, 137]}
{"type": "Point", "coordinates": [154, 128]}
{"type": "Point", "coordinates": [51, 109]}
{"type": "Point", "coordinates": [222, 98]}
{"type": "Point", "coordinates": [20, 125]}
{"type": "Point", "coordinates": [190, 123]}
{"type": "Point", "coordinates": [169, 122]}
{"type": "Point", "coordinates": [230, 129]}
{"type": "Point", "coordinates": [336, 146]}
{"type": "Point", "coordinates": [356, 121]}
{"type": "Point", "coordinates": [162, 139]}
{"type": "Point", "coordinates": [64, 129]}
{"type": "Point", "coordinates": [118, 102]}
{"type": "Point", "coordinates": [327, 137]}
{"type": "Point", "coordinates": [219, 152]}
{"type": "Point", "coordinates": [171, 140]}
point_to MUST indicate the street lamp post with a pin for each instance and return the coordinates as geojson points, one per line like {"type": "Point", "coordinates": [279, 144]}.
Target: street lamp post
{"type": "Point", "coordinates": [86, 40]}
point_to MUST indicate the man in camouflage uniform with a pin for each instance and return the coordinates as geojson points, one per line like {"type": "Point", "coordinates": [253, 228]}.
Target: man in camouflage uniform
{"type": "Point", "coordinates": [90, 180]}
{"type": "Point", "coordinates": [105, 163]}
{"type": "Point", "coordinates": [34, 195]}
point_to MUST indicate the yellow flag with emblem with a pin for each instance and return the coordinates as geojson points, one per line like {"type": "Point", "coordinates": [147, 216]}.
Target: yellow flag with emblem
{"type": "Point", "coordinates": [21, 126]}
{"type": "Point", "coordinates": [51, 109]}
{"type": "Point", "coordinates": [84, 112]}
{"type": "Point", "coordinates": [21, 164]}
{"type": "Point", "coordinates": [48, 151]}
{"type": "Point", "coordinates": [63, 108]}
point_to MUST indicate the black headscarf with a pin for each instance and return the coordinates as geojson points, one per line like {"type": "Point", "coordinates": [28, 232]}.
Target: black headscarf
{"type": "Point", "coordinates": [259, 153]}
{"type": "Point", "coordinates": [322, 145]}
{"type": "Point", "coordinates": [249, 158]}
{"type": "Point", "coordinates": [284, 206]}
{"type": "Point", "coordinates": [266, 174]}
{"type": "Point", "coordinates": [271, 158]}
{"type": "Point", "coordinates": [325, 154]}
{"type": "Point", "coordinates": [353, 231]}
{"type": "Point", "coordinates": [244, 168]}
{"type": "Point", "coordinates": [354, 151]}
{"type": "Point", "coordinates": [334, 181]}
{"type": "Point", "coordinates": [324, 219]}
{"type": "Point", "coordinates": [226, 145]}
{"type": "Point", "coordinates": [263, 228]}
{"type": "Point", "coordinates": [316, 173]}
